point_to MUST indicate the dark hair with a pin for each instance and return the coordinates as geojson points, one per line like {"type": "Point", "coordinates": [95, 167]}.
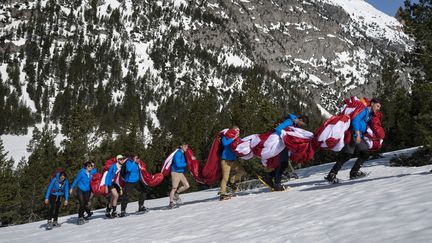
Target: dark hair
{"type": "Point", "coordinates": [63, 174]}
{"type": "Point", "coordinates": [304, 118]}
{"type": "Point", "coordinates": [375, 100]}
{"type": "Point", "coordinates": [87, 163]}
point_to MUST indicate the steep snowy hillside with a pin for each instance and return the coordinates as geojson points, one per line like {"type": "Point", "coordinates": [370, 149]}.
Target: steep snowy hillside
{"type": "Point", "coordinates": [151, 57]}
{"type": "Point", "coordinates": [330, 47]}
{"type": "Point", "coordinates": [390, 205]}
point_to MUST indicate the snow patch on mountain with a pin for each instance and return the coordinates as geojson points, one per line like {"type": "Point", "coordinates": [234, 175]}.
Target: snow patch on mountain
{"type": "Point", "coordinates": [375, 23]}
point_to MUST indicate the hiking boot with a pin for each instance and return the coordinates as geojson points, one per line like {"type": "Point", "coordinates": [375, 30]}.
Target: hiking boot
{"type": "Point", "coordinates": [357, 174]}
{"type": "Point", "coordinates": [88, 216]}
{"type": "Point", "coordinates": [49, 225]}
{"type": "Point", "coordinates": [108, 213]}
{"type": "Point", "coordinates": [225, 196]}
{"type": "Point", "coordinates": [331, 177]}
{"type": "Point", "coordinates": [177, 198]}
{"type": "Point", "coordinates": [143, 209]}
{"type": "Point", "coordinates": [114, 214]}
{"type": "Point", "coordinates": [267, 181]}
{"type": "Point", "coordinates": [81, 221]}
{"type": "Point", "coordinates": [234, 187]}
{"type": "Point", "coordinates": [172, 205]}
{"type": "Point", "coordinates": [122, 214]}
{"type": "Point", "coordinates": [56, 224]}
{"type": "Point", "coordinates": [293, 175]}
{"type": "Point", "coordinates": [279, 187]}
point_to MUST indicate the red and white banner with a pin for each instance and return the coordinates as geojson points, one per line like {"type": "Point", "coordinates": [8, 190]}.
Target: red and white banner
{"type": "Point", "coordinates": [299, 142]}
{"type": "Point", "coordinates": [192, 163]}
{"type": "Point", "coordinates": [333, 133]}
{"type": "Point", "coordinates": [375, 134]}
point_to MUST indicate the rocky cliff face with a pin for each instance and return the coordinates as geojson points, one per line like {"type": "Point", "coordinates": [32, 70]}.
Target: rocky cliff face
{"type": "Point", "coordinates": [323, 50]}
{"type": "Point", "coordinates": [332, 47]}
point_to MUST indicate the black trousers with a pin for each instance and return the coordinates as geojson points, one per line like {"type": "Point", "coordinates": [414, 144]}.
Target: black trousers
{"type": "Point", "coordinates": [278, 172]}
{"type": "Point", "coordinates": [83, 198]}
{"type": "Point", "coordinates": [283, 164]}
{"type": "Point", "coordinates": [127, 189]}
{"type": "Point", "coordinates": [55, 203]}
{"type": "Point", "coordinates": [346, 153]}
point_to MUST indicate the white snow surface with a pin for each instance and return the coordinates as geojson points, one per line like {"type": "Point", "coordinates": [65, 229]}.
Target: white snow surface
{"type": "Point", "coordinates": [16, 145]}
{"type": "Point", "coordinates": [392, 204]}
{"type": "Point", "coordinates": [380, 25]}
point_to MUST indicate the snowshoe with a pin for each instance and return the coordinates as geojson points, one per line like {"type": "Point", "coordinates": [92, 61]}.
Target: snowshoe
{"type": "Point", "coordinates": [177, 199]}
{"type": "Point", "coordinates": [143, 209]}
{"type": "Point", "coordinates": [88, 215]}
{"type": "Point", "coordinates": [234, 187]}
{"type": "Point", "coordinates": [331, 178]}
{"type": "Point", "coordinates": [81, 221]}
{"type": "Point", "coordinates": [122, 214]}
{"type": "Point", "coordinates": [55, 224]}
{"type": "Point", "coordinates": [225, 196]}
{"type": "Point", "coordinates": [279, 188]}
{"type": "Point", "coordinates": [358, 174]}
{"type": "Point", "coordinates": [114, 214]}
{"type": "Point", "coordinates": [293, 175]}
{"type": "Point", "coordinates": [108, 213]}
{"type": "Point", "coordinates": [172, 205]}
{"type": "Point", "coordinates": [267, 181]}
{"type": "Point", "coordinates": [49, 225]}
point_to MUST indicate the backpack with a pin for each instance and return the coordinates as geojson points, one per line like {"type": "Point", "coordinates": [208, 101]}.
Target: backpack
{"type": "Point", "coordinates": [54, 176]}
{"type": "Point", "coordinates": [108, 164]}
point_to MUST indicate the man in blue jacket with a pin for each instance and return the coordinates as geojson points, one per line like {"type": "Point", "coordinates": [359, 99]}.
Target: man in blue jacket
{"type": "Point", "coordinates": [57, 189]}
{"type": "Point", "coordinates": [228, 162]}
{"type": "Point", "coordinates": [274, 178]}
{"type": "Point", "coordinates": [131, 173]}
{"type": "Point", "coordinates": [357, 143]}
{"type": "Point", "coordinates": [178, 168]}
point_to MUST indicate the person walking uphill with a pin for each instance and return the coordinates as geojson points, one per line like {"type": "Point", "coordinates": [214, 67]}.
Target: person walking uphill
{"type": "Point", "coordinates": [57, 189]}
{"type": "Point", "coordinates": [178, 168]}
{"type": "Point", "coordinates": [83, 179]}
{"type": "Point", "coordinates": [273, 179]}
{"type": "Point", "coordinates": [228, 162]}
{"type": "Point", "coordinates": [357, 143]}
{"type": "Point", "coordinates": [131, 173]}
{"type": "Point", "coordinates": [112, 181]}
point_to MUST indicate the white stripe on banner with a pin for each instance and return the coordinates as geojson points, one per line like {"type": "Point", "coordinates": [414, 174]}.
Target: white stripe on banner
{"type": "Point", "coordinates": [168, 161]}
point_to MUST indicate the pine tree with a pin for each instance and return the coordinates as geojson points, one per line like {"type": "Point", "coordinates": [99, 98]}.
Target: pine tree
{"type": "Point", "coordinates": [8, 189]}
{"type": "Point", "coordinates": [77, 128]}
{"type": "Point", "coordinates": [418, 18]}
{"type": "Point", "coordinates": [36, 174]}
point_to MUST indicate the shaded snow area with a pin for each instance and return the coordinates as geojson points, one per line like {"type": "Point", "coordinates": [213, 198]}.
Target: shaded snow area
{"type": "Point", "coordinates": [16, 146]}
{"type": "Point", "coordinates": [392, 204]}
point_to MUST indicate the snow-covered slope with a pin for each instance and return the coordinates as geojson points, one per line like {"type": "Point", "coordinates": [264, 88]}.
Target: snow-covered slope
{"type": "Point", "coordinates": [390, 205]}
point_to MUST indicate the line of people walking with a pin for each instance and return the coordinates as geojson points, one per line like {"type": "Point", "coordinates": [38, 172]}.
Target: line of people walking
{"type": "Point", "coordinates": [124, 174]}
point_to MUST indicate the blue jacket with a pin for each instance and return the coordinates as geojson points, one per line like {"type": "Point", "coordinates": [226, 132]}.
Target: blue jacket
{"type": "Point", "coordinates": [227, 152]}
{"type": "Point", "coordinates": [111, 174]}
{"type": "Point", "coordinates": [132, 174]}
{"type": "Point", "coordinates": [359, 123]}
{"type": "Point", "coordinates": [288, 122]}
{"type": "Point", "coordinates": [83, 180]}
{"type": "Point", "coordinates": [179, 162]}
{"type": "Point", "coordinates": [57, 189]}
